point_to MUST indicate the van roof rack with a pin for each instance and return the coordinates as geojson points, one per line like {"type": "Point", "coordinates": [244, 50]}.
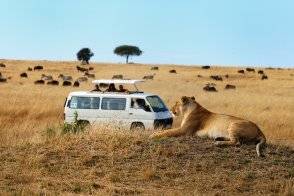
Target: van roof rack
{"type": "Point", "coordinates": [103, 81]}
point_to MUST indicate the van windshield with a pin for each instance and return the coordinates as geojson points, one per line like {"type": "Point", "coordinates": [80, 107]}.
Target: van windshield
{"type": "Point", "coordinates": [156, 103]}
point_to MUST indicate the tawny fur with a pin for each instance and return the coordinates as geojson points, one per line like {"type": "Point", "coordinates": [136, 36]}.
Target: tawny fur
{"type": "Point", "coordinates": [199, 121]}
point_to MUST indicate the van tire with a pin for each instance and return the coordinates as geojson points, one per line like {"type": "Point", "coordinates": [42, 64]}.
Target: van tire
{"type": "Point", "coordinates": [137, 126]}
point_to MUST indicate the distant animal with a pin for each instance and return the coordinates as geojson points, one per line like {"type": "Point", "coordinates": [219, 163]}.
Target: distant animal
{"type": "Point", "coordinates": [30, 69]}
{"type": "Point", "coordinates": [260, 72]}
{"type": "Point", "coordinates": [230, 86]}
{"type": "Point", "coordinates": [76, 84]}
{"type": "Point", "coordinates": [39, 82]}
{"type": "Point", "coordinates": [2, 65]}
{"type": "Point", "coordinates": [216, 77]}
{"type": "Point", "coordinates": [89, 75]}
{"type": "Point", "coordinates": [9, 78]}
{"type": "Point", "coordinates": [66, 83]}
{"type": "Point", "coordinates": [38, 67]}
{"type": "Point", "coordinates": [81, 69]}
{"type": "Point", "coordinates": [63, 77]}
{"type": "Point", "coordinates": [241, 71]}
{"type": "Point", "coordinates": [53, 82]}
{"type": "Point", "coordinates": [199, 76]}
{"type": "Point", "coordinates": [226, 130]}
{"type": "Point", "coordinates": [205, 67]}
{"type": "Point", "coordinates": [209, 88]}
{"type": "Point", "coordinates": [23, 75]}
{"type": "Point", "coordinates": [0, 74]}
{"type": "Point", "coordinates": [82, 79]}
{"type": "Point", "coordinates": [148, 77]}
{"type": "Point", "coordinates": [264, 77]}
{"type": "Point", "coordinates": [250, 69]}
{"type": "Point", "coordinates": [154, 68]}
{"type": "Point", "coordinates": [46, 77]}
{"type": "Point", "coordinates": [91, 68]}
{"type": "Point", "coordinates": [2, 79]}
{"type": "Point", "coordinates": [117, 76]}
{"type": "Point", "coordinates": [173, 71]}
{"type": "Point", "coordinates": [227, 76]}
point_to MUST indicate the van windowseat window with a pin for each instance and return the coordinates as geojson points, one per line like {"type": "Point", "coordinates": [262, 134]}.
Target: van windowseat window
{"type": "Point", "coordinates": [113, 103]}
{"type": "Point", "coordinates": [85, 102]}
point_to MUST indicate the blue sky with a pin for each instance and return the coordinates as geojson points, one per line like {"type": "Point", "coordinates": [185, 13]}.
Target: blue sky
{"type": "Point", "coordinates": [223, 32]}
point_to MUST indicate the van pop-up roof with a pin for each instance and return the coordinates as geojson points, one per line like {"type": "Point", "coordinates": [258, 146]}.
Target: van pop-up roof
{"type": "Point", "coordinates": [134, 82]}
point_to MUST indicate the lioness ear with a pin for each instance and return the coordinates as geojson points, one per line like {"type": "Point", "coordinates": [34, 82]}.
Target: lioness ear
{"type": "Point", "coordinates": [193, 98]}
{"type": "Point", "coordinates": [184, 99]}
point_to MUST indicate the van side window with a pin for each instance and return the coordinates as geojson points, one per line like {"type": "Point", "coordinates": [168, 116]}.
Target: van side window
{"type": "Point", "coordinates": [138, 103]}
{"type": "Point", "coordinates": [113, 103]}
{"type": "Point", "coordinates": [85, 102]}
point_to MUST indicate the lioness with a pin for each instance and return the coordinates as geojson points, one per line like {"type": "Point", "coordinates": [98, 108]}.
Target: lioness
{"type": "Point", "coordinates": [225, 129]}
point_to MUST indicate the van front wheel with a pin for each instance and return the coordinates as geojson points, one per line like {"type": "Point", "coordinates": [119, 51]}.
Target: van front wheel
{"type": "Point", "coordinates": [137, 126]}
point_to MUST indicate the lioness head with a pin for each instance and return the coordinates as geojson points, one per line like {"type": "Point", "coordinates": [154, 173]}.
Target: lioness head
{"type": "Point", "coordinates": [183, 106]}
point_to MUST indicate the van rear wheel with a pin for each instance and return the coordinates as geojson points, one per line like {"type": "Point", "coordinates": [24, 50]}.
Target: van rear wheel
{"type": "Point", "coordinates": [137, 126]}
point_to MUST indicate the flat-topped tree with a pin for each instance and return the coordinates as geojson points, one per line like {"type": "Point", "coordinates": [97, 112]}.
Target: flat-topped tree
{"type": "Point", "coordinates": [127, 50]}
{"type": "Point", "coordinates": [84, 55]}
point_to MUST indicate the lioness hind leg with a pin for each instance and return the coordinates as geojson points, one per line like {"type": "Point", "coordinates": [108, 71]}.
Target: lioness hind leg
{"type": "Point", "coordinates": [233, 138]}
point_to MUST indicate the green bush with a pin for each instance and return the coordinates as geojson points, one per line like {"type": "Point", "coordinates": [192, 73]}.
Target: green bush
{"type": "Point", "coordinates": [76, 126]}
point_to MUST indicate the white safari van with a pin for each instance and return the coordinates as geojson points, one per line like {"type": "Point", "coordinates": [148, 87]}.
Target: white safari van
{"type": "Point", "coordinates": [127, 110]}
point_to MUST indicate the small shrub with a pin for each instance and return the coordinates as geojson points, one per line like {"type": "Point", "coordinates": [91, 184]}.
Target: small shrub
{"type": "Point", "coordinates": [75, 127]}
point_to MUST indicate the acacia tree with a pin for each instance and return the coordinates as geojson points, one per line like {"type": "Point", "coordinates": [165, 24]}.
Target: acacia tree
{"type": "Point", "coordinates": [84, 55]}
{"type": "Point", "coordinates": [127, 51]}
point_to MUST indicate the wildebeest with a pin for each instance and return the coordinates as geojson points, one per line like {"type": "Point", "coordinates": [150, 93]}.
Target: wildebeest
{"type": "Point", "coordinates": [30, 69]}
{"type": "Point", "coordinates": [264, 77]}
{"type": "Point", "coordinates": [91, 68]}
{"type": "Point", "coordinates": [23, 75]}
{"type": "Point", "coordinates": [250, 69]}
{"type": "Point", "coordinates": [199, 76]}
{"type": "Point", "coordinates": [2, 65]}
{"type": "Point", "coordinates": [66, 83]}
{"type": "Point", "coordinates": [230, 86]}
{"type": "Point", "coordinates": [227, 76]}
{"type": "Point", "coordinates": [89, 75]}
{"type": "Point", "coordinates": [2, 79]}
{"type": "Point", "coordinates": [241, 71]}
{"type": "Point", "coordinates": [76, 84]}
{"type": "Point", "coordinates": [53, 82]}
{"type": "Point", "coordinates": [39, 82]}
{"type": "Point", "coordinates": [260, 72]}
{"type": "Point", "coordinates": [81, 69]}
{"type": "Point", "coordinates": [173, 71]}
{"type": "Point", "coordinates": [216, 77]}
{"type": "Point", "coordinates": [154, 68]}
{"type": "Point", "coordinates": [46, 77]}
{"type": "Point", "coordinates": [38, 67]}
{"type": "Point", "coordinates": [63, 77]}
{"type": "Point", "coordinates": [209, 88]}
{"type": "Point", "coordinates": [82, 79]}
{"type": "Point", "coordinates": [205, 67]}
{"type": "Point", "coordinates": [148, 77]}
{"type": "Point", "coordinates": [119, 76]}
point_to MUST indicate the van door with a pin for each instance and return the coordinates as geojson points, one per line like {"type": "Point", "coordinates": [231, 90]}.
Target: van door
{"type": "Point", "coordinates": [114, 111]}
{"type": "Point", "coordinates": [140, 111]}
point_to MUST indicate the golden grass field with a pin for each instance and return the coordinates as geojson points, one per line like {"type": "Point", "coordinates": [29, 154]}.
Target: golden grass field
{"type": "Point", "coordinates": [36, 158]}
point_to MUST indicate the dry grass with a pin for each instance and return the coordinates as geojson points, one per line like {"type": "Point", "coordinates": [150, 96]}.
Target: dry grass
{"type": "Point", "coordinates": [36, 158]}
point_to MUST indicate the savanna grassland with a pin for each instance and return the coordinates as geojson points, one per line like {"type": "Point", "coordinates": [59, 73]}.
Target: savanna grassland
{"type": "Point", "coordinates": [37, 158]}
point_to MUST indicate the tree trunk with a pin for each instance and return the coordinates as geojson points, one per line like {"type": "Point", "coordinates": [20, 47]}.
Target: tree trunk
{"type": "Point", "coordinates": [127, 59]}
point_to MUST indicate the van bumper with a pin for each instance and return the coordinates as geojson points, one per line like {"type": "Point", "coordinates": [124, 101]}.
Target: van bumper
{"type": "Point", "coordinates": [163, 123]}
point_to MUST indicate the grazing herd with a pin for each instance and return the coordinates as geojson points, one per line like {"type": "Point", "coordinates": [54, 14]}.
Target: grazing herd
{"type": "Point", "coordinates": [67, 80]}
